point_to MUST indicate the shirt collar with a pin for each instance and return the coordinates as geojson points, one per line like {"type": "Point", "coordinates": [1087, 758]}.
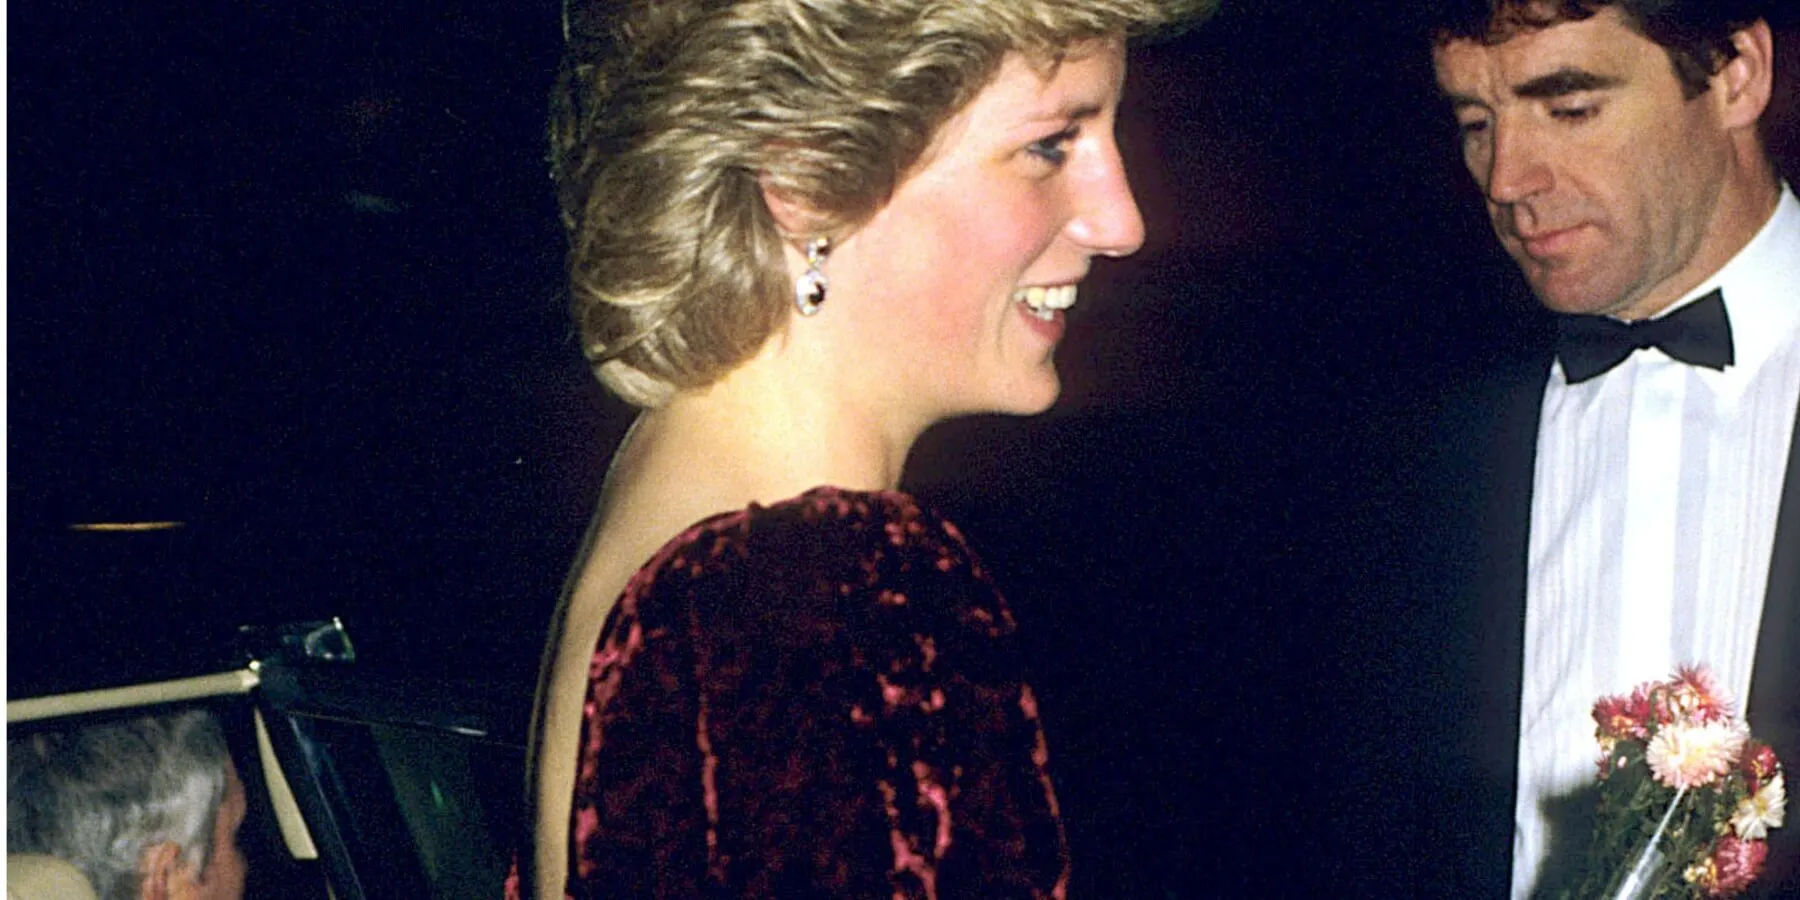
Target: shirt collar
{"type": "Point", "coordinates": [1757, 284]}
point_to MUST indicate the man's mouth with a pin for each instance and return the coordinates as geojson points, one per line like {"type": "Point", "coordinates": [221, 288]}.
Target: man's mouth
{"type": "Point", "coordinates": [1547, 243]}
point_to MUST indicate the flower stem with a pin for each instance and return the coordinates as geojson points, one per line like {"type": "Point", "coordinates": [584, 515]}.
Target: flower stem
{"type": "Point", "coordinates": [1640, 882]}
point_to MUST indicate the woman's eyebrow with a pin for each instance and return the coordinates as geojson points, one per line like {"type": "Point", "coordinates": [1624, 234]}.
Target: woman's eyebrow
{"type": "Point", "coordinates": [1074, 112]}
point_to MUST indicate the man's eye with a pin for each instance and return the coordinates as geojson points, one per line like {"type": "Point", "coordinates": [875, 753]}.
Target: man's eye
{"type": "Point", "coordinates": [1472, 127]}
{"type": "Point", "coordinates": [1572, 113]}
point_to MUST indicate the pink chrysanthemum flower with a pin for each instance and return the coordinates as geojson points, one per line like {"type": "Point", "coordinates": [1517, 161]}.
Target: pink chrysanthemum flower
{"type": "Point", "coordinates": [1735, 863]}
{"type": "Point", "coordinates": [1760, 763]}
{"type": "Point", "coordinates": [1621, 718]}
{"type": "Point", "coordinates": [1694, 755]}
{"type": "Point", "coordinates": [1694, 696]}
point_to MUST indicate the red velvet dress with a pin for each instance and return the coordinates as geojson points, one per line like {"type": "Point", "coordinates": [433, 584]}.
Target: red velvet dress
{"type": "Point", "coordinates": [818, 699]}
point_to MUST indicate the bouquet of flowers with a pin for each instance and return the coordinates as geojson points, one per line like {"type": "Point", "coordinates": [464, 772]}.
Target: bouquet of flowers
{"type": "Point", "coordinates": [1687, 797]}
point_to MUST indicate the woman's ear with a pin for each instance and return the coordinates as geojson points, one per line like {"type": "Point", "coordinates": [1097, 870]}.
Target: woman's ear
{"type": "Point", "coordinates": [795, 217]}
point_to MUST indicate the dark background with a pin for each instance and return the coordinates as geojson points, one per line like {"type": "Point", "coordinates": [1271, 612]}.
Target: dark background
{"type": "Point", "coordinates": [287, 273]}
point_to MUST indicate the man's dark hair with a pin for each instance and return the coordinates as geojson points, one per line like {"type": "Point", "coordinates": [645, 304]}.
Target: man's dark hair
{"type": "Point", "coordinates": [1695, 33]}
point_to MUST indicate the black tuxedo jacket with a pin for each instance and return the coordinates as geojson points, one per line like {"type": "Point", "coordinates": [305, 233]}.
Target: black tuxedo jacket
{"type": "Point", "coordinates": [1495, 620]}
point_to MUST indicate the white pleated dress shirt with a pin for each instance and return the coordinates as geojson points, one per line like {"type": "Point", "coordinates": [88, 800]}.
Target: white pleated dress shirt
{"type": "Point", "coordinates": [1653, 514]}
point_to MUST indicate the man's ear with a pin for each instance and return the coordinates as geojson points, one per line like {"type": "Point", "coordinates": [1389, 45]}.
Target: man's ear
{"type": "Point", "coordinates": [1747, 81]}
{"type": "Point", "coordinates": [163, 870]}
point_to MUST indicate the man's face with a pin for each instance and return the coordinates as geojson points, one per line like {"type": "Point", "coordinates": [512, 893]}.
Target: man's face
{"type": "Point", "coordinates": [225, 871]}
{"type": "Point", "coordinates": [1602, 180]}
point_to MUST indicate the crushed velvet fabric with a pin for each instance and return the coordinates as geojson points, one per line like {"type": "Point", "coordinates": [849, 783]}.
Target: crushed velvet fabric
{"type": "Point", "coordinates": [816, 699]}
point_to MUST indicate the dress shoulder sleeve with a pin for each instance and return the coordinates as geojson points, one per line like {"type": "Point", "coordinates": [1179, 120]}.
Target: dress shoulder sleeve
{"type": "Point", "coordinates": [822, 698]}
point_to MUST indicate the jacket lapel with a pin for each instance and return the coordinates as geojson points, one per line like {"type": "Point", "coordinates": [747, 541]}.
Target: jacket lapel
{"type": "Point", "coordinates": [1499, 629]}
{"type": "Point", "coordinates": [1774, 708]}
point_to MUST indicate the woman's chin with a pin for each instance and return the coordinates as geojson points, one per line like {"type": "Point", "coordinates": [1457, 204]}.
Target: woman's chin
{"type": "Point", "coordinates": [1033, 397]}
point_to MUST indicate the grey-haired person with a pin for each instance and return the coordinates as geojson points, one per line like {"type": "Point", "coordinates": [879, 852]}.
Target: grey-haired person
{"type": "Point", "coordinates": [145, 808]}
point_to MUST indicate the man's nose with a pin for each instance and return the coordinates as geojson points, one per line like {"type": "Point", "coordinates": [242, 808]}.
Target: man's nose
{"type": "Point", "coordinates": [1517, 167]}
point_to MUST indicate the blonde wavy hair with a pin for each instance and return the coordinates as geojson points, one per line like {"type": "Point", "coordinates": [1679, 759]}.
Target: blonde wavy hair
{"type": "Point", "coordinates": [670, 117]}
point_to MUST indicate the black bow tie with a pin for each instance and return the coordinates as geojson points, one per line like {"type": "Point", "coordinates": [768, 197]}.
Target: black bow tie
{"type": "Point", "coordinates": [1698, 334]}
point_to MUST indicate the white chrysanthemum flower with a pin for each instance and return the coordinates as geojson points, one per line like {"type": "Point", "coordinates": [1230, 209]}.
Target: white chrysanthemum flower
{"type": "Point", "coordinates": [1761, 811]}
{"type": "Point", "coordinates": [1687, 756]}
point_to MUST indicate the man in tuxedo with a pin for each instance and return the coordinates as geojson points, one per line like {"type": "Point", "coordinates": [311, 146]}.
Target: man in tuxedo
{"type": "Point", "coordinates": [1616, 145]}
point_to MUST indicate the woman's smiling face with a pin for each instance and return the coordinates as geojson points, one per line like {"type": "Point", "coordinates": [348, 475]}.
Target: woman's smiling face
{"type": "Point", "coordinates": [958, 283]}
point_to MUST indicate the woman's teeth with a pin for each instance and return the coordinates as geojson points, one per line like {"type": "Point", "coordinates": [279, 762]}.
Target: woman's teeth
{"type": "Point", "coordinates": [1043, 302]}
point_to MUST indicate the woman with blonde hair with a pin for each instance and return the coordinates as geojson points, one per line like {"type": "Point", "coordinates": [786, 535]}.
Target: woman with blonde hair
{"type": "Point", "coordinates": [801, 232]}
